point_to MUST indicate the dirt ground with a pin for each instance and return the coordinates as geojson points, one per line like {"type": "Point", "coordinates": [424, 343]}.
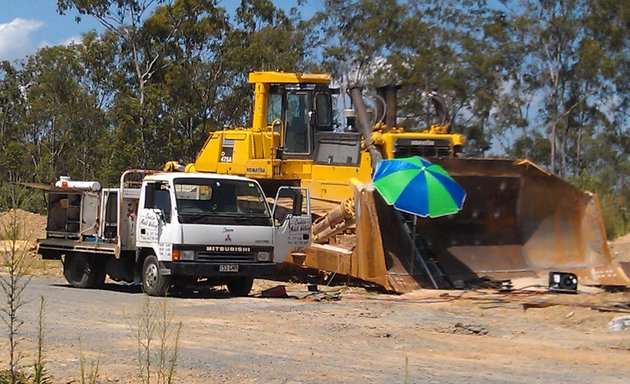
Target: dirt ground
{"type": "Point", "coordinates": [343, 335]}
{"type": "Point", "coordinates": [338, 335]}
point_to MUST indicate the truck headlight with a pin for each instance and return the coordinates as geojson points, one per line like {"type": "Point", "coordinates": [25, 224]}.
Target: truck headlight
{"type": "Point", "coordinates": [264, 256]}
{"type": "Point", "coordinates": [187, 255]}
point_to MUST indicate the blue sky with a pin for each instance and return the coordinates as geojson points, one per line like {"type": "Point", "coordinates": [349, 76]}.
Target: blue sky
{"type": "Point", "coordinates": [27, 25]}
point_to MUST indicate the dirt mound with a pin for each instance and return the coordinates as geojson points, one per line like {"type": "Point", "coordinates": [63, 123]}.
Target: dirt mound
{"type": "Point", "coordinates": [625, 239]}
{"type": "Point", "coordinates": [31, 226]}
{"type": "Point", "coordinates": [620, 248]}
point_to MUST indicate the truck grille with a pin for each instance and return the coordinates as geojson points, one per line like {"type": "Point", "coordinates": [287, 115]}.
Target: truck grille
{"type": "Point", "coordinates": [225, 257]}
{"type": "Point", "coordinates": [422, 147]}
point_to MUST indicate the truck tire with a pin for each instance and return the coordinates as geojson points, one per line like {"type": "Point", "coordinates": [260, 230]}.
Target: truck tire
{"type": "Point", "coordinates": [240, 286]}
{"type": "Point", "coordinates": [153, 282]}
{"type": "Point", "coordinates": [83, 271]}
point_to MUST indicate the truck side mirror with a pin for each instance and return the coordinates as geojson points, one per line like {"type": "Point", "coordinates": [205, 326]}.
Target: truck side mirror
{"type": "Point", "coordinates": [297, 203]}
{"type": "Point", "coordinates": [160, 213]}
{"type": "Point", "coordinates": [279, 216]}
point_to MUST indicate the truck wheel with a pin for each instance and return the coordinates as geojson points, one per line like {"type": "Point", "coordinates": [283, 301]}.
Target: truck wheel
{"type": "Point", "coordinates": [83, 271]}
{"type": "Point", "coordinates": [153, 282]}
{"type": "Point", "coordinates": [240, 286]}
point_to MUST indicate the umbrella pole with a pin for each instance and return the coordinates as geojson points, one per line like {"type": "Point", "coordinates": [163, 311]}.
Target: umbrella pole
{"type": "Point", "coordinates": [413, 245]}
{"type": "Point", "coordinates": [413, 255]}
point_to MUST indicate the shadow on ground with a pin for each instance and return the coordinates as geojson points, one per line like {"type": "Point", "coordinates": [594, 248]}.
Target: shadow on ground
{"type": "Point", "coordinates": [185, 292]}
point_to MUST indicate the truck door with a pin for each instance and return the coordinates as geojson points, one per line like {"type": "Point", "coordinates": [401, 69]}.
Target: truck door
{"type": "Point", "coordinates": [292, 221]}
{"type": "Point", "coordinates": [155, 219]}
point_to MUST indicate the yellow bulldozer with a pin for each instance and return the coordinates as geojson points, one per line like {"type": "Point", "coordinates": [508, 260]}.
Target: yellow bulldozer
{"type": "Point", "coordinates": [517, 220]}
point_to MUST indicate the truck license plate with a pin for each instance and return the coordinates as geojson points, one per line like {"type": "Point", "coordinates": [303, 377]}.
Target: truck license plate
{"type": "Point", "coordinates": [228, 267]}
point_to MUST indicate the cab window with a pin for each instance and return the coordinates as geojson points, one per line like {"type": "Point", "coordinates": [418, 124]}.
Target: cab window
{"type": "Point", "coordinates": [158, 197]}
{"type": "Point", "coordinates": [297, 123]}
{"type": "Point", "coordinates": [274, 107]}
{"type": "Point", "coordinates": [323, 106]}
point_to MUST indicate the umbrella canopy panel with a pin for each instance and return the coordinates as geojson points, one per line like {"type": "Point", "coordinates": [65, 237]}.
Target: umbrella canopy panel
{"type": "Point", "coordinates": [419, 187]}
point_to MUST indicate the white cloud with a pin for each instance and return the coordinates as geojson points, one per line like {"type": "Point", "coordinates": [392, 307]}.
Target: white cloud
{"type": "Point", "coordinates": [15, 38]}
{"type": "Point", "coordinates": [72, 40]}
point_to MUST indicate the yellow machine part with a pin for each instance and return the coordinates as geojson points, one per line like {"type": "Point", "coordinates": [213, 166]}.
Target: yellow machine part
{"type": "Point", "coordinates": [517, 221]}
{"type": "Point", "coordinates": [238, 152]}
{"type": "Point", "coordinates": [436, 144]}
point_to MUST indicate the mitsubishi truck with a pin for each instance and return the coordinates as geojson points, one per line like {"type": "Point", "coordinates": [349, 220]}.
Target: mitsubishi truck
{"type": "Point", "coordinates": [164, 229]}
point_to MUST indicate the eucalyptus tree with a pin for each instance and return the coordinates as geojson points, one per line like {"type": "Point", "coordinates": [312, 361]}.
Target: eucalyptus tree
{"type": "Point", "coordinates": [193, 73]}
{"type": "Point", "coordinates": [353, 37]}
{"type": "Point", "coordinates": [63, 122]}
{"type": "Point", "coordinates": [262, 37]}
{"type": "Point", "coordinates": [184, 66]}
{"type": "Point", "coordinates": [462, 53]}
{"type": "Point", "coordinates": [12, 108]}
{"type": "Point", "coordinates": [202, 80]}
{"type": "Point", "coordinates": [454, 47]}
{"type": "Point", "coordinates": [568, 72]}
{"type": "Point", "coordinates": [609, 23]}
{"type": "Point", "coordinates": [141, 54]}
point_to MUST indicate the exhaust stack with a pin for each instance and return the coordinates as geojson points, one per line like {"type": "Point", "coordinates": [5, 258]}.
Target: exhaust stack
{"type": "Point", "coordinates": [389, 94]}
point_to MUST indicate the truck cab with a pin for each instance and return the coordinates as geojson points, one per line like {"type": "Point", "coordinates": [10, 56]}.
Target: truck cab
{"type": "Point", "coordinates": [199, 226]}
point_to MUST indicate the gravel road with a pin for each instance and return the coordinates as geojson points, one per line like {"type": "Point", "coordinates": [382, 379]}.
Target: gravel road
{"type": "Point", "coordinates": [362, 338]}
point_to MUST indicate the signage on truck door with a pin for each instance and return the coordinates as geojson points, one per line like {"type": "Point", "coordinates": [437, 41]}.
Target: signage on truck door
{"type": "Point", "coordinates": [148, 224]}
{"type": "Point", "coordinates": [152, 230]}
{"type": "Point", "coordinates": [292, 220]}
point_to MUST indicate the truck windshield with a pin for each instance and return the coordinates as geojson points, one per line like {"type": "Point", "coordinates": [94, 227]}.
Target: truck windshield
{"type": "Point", "coordinates": [208, 201]}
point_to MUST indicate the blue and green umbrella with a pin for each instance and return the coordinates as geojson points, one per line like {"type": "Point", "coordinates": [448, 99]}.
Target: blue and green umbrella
{"type": "Point", "coordinates": [417, 186]}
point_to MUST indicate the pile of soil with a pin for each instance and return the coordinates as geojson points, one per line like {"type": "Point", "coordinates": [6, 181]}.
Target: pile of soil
{"type": "Point", "coordinates": [31, 226]}
{"type": "Point", "coordinates": [620, 248]}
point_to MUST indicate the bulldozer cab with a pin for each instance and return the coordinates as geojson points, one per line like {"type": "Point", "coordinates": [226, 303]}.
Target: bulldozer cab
{"type": "Point", "coordinates": [294, 106]}
{"type": "Point", "coordinates": [302, 114]}
{"type": "Point", "coordinates": [298, 113]}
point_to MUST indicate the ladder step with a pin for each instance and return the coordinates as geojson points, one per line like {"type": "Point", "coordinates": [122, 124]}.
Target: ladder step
{"type": "Point", "coordinates": [421, 258]}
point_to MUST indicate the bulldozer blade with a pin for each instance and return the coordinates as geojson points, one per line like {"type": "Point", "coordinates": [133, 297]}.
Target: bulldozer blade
{"type": "Point", "coordinates": [519, 220]}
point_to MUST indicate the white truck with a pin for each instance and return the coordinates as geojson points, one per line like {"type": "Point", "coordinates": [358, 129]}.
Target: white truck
{"type": "Point", "coordinates": [171, 228]}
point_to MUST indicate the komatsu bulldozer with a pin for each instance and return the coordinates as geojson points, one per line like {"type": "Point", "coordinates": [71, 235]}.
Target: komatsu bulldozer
{"type": "Point", "coordinates": [517, 220]}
